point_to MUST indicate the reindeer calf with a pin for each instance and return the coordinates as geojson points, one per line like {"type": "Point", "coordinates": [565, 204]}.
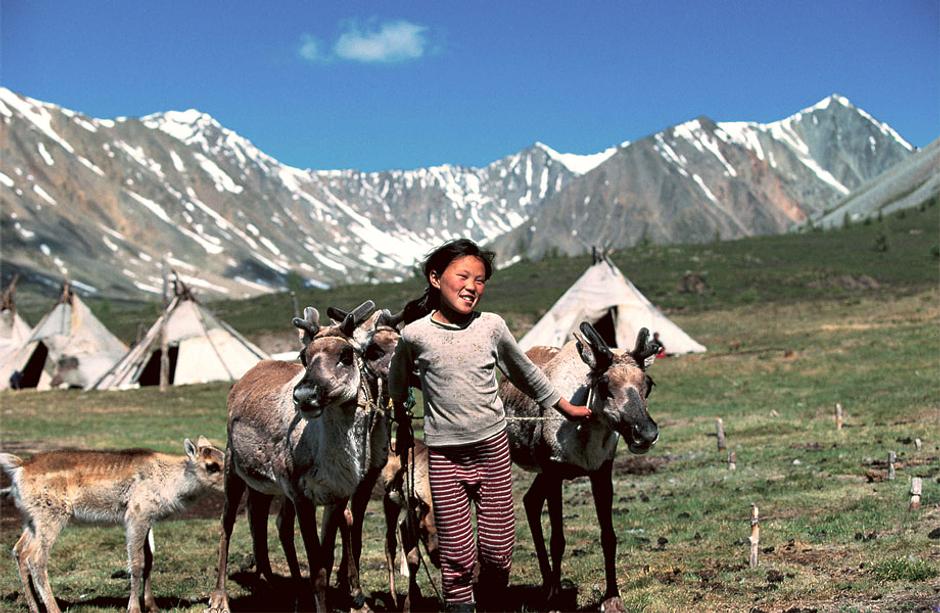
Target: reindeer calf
{"type": "Point", "coordinates": [398, 489]}
{"type": "Point", "coordinates": [135, 487]}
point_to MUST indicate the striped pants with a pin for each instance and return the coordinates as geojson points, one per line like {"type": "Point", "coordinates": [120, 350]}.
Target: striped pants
{"type": "Point", "coordinates": [478, 472]}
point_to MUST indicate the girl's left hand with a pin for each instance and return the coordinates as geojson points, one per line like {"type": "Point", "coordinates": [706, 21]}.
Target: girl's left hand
{"type": "Point", "coordinates": [573, 412]}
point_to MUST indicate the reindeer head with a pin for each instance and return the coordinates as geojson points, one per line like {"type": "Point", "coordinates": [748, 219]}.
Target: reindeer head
{"type": "Point", "coordinates": [621, 387]}
{"type": "Point", "coordinates": [206, 462]}
{"type": "Point", "coordinates": [331, 358]}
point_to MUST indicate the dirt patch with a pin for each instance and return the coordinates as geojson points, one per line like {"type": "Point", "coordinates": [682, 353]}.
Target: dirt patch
{"type": "Point", "coordinates": [277, 342]}
{"type": "Point", "coordinates": [640, 465]}
{"type": "Point", "coordinates": [849, 282]}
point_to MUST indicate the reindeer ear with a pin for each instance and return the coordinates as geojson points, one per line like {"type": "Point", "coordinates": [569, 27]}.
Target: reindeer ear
{"type": "Point", "coordinates": [584, 349]}
{"type": "Point", "coordinates": [189, 448]}
{"type": "Point", "coordinates": [603, 356]}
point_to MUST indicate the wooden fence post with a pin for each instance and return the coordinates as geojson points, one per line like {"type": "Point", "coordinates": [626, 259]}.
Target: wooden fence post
{"type": "Point", "coordinates": [839, 417]}
{"type": "Point", "coordinates": [892, 457]}
{"type": "Point", "coordinates": [732, 460]}
{"type": "Point", "coordinates": [915, 494]}
{"type": "Point", "coordinates": [917, 444]}
{"type": "Point", "coordinates": [720, 430]}
{"type": "Point", "coordinates": [755, 534]}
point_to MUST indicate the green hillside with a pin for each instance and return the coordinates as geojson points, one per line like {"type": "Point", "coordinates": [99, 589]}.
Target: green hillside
{"type": "Point", "coordinates": [900, 254]}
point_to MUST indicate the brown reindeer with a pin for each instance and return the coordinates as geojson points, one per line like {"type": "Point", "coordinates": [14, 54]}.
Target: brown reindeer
{"type": "Point", "coordinates": [407, 488]}
{"type": "Point", "coordinates": [135, 487]}
{"type": "Point", "coordinates": [379, 336]}
{"type": "Point", "coordinates": [292, 430]}
{"type": "Point", "coordinates": [615, 386]}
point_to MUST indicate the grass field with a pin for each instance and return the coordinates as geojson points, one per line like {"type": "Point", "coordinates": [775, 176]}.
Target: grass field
{"type": "Point", "coordinates": [787, 340]}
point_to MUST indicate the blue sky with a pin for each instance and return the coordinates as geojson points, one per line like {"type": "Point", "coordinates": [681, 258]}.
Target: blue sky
{"type": "Point", "coordinates": [377, 85]}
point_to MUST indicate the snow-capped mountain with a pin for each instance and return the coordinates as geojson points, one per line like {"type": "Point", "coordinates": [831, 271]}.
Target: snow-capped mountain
{"type": "Point", "coordinates": [905, 185]}
{"type": "Point", "coordinates": [104, 201]}
{"type": "Point", "coordinates": [702, 179]}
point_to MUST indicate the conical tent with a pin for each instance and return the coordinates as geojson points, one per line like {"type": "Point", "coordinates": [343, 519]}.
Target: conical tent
{"type": "Point", "coordinates": [607, 299]}
{"type": "Point", "coordinates": [69, 345]}
{"type": "Point", "coordinates": [13, 329]}
{"type": "Point", "coordinates": [200, 348]}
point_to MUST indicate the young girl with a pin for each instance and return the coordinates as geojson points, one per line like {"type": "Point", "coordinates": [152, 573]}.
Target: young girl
{"type": "Point", "coordinates": [456, 351]}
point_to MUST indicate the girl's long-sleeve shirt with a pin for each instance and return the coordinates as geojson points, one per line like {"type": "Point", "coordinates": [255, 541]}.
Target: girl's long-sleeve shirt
{"type": "Point", "coordinates": [457, 368]}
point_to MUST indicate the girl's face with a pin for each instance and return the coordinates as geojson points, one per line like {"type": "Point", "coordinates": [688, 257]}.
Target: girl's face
{"type": "Point", "coordinates": [461, 285]}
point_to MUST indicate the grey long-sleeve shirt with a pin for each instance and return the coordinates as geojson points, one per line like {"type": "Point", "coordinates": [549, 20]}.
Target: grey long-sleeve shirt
{"type": "Point", "coordinates": [457, 367]}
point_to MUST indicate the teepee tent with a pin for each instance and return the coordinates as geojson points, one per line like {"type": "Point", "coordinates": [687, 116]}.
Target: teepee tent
{"type": "Point", "coordinates": [200, 348]}
{"type": "Point", "coordinates": [69, 345]}
{"type": "Point", "coordinates": [13, 329]}
{"type": "Point", "coordinates": [617, 309]}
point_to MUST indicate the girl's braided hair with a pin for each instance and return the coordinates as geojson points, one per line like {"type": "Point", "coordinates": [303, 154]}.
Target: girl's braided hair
{"type": "Point", "coordinates": [437, 261]}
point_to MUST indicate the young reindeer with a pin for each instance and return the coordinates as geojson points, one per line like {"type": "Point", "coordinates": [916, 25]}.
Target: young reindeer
{"type": "Point", "coordinates": [135, 487]}
{"type": "Point", "coordinates": [378, 336]}
{"type": "Point", "coordinates": [292, 431]}
{"type": "Point", "coordinates": [615, 386]}
{"type": "Point", "coordinates": [407, 488]}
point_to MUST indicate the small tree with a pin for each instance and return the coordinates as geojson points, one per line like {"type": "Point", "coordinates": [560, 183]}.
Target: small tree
{"type": "Point", "coordinates": [881, 242]}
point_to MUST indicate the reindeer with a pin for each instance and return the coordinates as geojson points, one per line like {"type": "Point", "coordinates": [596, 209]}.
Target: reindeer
{"type": "Point", "coordinates": [379, 336]}
{"type": "Point", "coordinates": [292, 430]}
{"type": "Point", "coordinates": [408, 488]}
{"type": "Point", "coordinates": [615, 386]}
{"type": "Point", "coordinates": [135, 487]}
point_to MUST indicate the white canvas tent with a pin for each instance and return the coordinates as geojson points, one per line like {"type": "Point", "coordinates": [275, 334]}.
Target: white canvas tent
{"type": "Point", "coordinates": [69, 345]}
{"type": "Point", "coordinates": [200, 348]}
{"type": "Point", "coordinates": [607, 299]}
{"type": "Point", "coordinates": [13, 329]}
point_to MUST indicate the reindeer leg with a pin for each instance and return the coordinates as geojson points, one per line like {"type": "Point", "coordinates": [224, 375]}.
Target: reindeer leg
{"type": "Point", "coordinates": [332, 519]}
{"type": "Point", "coordinates": [285, 533]}
{"type": "Point", "coordinates": [307, 514]}
{"type": "Point", "coordinates": [150, 603]}
{"type": "Point", "coordinates": [136, 536]}
{"type": "Point", "coordinates": [21, 552]}
{"type": "Point", "coordinates": [38, 561]}
{"type": "Point", "coordinates": [603, 490]}
{"type": "Point", "coordinates": [409, 549]}
{"type": "Point", "coordinates": [533, 501]}
{"type": "Point", "coordinates": [234, 489]}
{"type": "Point", "coordinates": [391, 510]}
{"type": "Point", "coordinates": [557, 522]}
{"type": "Point", "coordinates": [258, 506]}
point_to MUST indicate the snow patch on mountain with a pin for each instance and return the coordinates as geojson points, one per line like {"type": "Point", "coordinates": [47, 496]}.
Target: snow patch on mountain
{"type": "Point", "coordinates": [581, 164]}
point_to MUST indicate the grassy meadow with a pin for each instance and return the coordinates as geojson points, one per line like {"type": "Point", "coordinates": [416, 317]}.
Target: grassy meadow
{"type": "Point", "coordinates": [791, 329]}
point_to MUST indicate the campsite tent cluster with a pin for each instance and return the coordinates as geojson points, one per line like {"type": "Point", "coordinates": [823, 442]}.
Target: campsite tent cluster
{"type": "Point", "coordinates": [71, 347]}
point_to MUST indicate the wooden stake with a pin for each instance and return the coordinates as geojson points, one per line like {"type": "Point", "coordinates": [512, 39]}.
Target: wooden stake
{"type": "Point", "coordinates": [891, 459]}
{"type": "Point", "coordinates": [732, 460]}
{"type": "Point", "coordinates": [755, 535]}
{"type": "Point", "coordinates": [915, 494]}
{"type": "Point", "coordinates": [720, 430]}
{"type": "Point", "coordinates": [839, 417]}
{"type": "Point", "coordinates": [917, 444]}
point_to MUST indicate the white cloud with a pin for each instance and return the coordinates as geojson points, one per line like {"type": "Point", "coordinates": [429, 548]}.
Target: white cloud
{"type": "Point", "coordinates": [310, 48]}
{"type": "Point", "coordinates": [388, 42]}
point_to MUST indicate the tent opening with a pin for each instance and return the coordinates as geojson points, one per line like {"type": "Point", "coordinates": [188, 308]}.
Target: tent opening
{"type": "Point", "coordinates": [32, 372]}
{"type": "Point", "coordinates": [150, 375]}
{"type": "Point", "coordinates": [606, 327]}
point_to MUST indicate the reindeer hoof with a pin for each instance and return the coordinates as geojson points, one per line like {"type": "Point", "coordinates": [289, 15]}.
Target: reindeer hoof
{"type": "Point", "coordinates": [613, 605]}
{"type": "Point", "coordinates": [218, 602]}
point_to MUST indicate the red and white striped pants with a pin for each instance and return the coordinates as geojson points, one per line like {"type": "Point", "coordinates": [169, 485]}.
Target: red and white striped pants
{"type": "Point", "coordinates": [478, 472]}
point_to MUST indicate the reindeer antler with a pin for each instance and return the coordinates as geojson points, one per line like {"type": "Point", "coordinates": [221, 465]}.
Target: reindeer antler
{"type": "Point", "coordinates": [356, 317]}
{"type": "Point", "coordinates": [645, 348]}
{"type": "Point", "coordinates": [310, 324]}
